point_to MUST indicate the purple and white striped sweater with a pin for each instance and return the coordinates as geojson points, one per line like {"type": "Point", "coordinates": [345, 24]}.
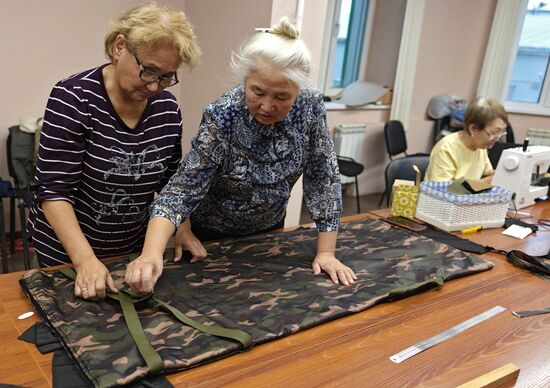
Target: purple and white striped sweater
{"type": "Point", "coordinates": [109, 172]}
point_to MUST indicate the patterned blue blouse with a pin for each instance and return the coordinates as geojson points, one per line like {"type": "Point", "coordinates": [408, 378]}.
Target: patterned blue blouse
{"type": "Point", "coordinates": [237, 177]}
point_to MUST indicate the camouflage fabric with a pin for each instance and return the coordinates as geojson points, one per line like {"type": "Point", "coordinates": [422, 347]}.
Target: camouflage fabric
{"type": "Point", "coordinates": [262, 285]}
{"type": "Point", "coordinates": [539, 265]}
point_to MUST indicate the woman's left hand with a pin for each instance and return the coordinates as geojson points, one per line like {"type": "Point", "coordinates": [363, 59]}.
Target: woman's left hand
{"type": "Point", "coordinates": [338, 272]}
{"type": "Point", "coordinates": [186, 240]}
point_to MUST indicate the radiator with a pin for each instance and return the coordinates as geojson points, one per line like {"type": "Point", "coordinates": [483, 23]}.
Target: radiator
{"type": "Point", "coordinates": [538, 136]}
{"type": "Point", "coordinates": [348, 141]}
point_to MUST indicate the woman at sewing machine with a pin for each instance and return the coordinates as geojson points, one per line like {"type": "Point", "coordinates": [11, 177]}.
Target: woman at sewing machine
{"type": "Point", "coordinates": [463, 154]}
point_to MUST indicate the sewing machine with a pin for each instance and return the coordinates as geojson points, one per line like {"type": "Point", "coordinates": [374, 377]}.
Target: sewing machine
{"type": "Point", "coordinates": [518, 168]}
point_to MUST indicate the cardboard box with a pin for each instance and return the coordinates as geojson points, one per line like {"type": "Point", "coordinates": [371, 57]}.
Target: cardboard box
{"type": "Point", "coordinates": [386, 99]}
{"type": "Point", "coordinates": [404, 196]}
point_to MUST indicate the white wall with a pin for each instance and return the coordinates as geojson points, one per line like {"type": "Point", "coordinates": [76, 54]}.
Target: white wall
{"type": "Point", "coordinates": [43, 41]}
{"type": "Point", "coordinates": [222, 26]}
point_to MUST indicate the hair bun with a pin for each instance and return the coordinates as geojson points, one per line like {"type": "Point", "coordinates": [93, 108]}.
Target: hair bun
{"type": "Point", "coordinates": [284, 29]}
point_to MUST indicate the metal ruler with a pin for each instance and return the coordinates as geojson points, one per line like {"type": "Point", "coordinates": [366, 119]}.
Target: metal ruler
{"type": "Point", "coordinates": [528, 313]}
{"type": "Point", "coordinates": [426, 344]}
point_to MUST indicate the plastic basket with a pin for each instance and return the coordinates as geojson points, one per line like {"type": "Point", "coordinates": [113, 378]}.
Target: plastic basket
{"type": "Point", "coordinates": [453, 212]}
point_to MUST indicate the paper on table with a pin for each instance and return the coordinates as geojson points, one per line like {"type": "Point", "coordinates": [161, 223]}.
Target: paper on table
{"type": "Point", "coordinates": [517, 231]}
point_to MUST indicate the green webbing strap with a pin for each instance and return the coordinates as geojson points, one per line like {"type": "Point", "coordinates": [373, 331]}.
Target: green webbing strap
{"type": "Point", "coordinates": [218, 331]}
{"type": "Point", "coordinates": [127, 298]}
{"type": "Point", "coordinates": [149, 354]}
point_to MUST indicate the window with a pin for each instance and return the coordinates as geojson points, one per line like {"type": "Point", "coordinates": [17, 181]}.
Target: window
{"type": "Point", "coordinates": [528, 88]}
{"type": "Point", "coordinates": [346, 49]}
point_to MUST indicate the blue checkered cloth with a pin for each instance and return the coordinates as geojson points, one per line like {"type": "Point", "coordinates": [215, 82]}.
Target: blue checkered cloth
{"type": "Point", "coordinates": [439, 190]}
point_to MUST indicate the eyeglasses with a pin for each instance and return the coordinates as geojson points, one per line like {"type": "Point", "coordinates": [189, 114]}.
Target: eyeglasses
{"type": "Point", "coordinates": [149, 76]}
{"type": "Point", "coordinates": [496, 135]}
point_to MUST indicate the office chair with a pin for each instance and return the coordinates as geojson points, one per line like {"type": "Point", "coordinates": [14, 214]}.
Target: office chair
{"type": "Point", "coordinates": [349, 167]}
{"type": "Point", "coordinates": [396, 144]}
{"type": "Point", "coordinates": [402, 169]}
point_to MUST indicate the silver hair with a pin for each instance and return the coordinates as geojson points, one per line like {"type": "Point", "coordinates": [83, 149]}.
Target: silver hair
{"type": "Point", "coordinates": [279, 47]}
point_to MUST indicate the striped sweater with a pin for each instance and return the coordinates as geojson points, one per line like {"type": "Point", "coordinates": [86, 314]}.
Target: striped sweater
{"type": "Point", "coordinates": [106, 170]}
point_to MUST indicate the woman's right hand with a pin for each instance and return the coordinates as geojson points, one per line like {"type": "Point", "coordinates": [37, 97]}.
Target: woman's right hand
{"type": "Point", "coordinates": [142, 273]}
{"type": "Point", "coordinates": [92, 279]}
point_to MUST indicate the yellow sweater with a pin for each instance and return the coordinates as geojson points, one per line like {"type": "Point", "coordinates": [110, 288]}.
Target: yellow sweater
{"type": "Point", "coordinates": [450, 159]}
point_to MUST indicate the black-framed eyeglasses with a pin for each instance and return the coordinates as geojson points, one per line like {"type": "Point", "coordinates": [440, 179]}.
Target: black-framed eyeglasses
{"type": "Point", "coordinates": [149, 76]}
{"type": "Point", "coordinates": [495, 136]}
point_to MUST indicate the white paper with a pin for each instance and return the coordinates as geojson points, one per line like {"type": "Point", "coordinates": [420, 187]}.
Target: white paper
{"type": "Point", "coordinates": [517, 231]}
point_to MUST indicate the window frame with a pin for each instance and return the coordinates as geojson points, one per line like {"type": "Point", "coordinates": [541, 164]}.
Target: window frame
{"type": "Point", "coordinates": [543, 106]}
{"type": "Point", "coordinates": [330, 42]}
{"type": "Point", "coordinates": [500, 59]}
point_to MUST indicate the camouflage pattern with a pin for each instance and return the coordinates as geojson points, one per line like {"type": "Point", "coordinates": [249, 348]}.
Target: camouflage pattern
{"type": "Point", "coordinates": [538, 265]}
{"type": "Point", "coordinates": [261, 284]}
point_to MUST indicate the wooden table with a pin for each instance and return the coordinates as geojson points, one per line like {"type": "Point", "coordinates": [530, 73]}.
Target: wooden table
{"type": "Point", "coordinates": [536, 244]}
{"type": "Point", "coordinates": [355, 350]}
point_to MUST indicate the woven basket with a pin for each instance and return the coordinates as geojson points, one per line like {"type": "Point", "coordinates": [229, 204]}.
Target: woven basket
{"type": "Point", "coordinates": [452, 212]}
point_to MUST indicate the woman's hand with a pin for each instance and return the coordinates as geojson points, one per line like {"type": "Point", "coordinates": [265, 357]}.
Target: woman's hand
{"type": "Point", "coordinates": [142, 273]}
{"type": "Point", "coordinates": [325, 260]}
{"type": "Point", "coordinates": [186, 240]}
{"type": "Point", "coordinates": [338, 272]}
{"type": "Point", "coordinates": [92, 277]}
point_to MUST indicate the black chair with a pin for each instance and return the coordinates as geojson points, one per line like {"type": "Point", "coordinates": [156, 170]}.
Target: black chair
{"type": "Point", "coordinates": [495, 151]}
{"type": "Point", "coordinates": [396, 144]}
{"type": "Point", "coordinates": [350, 168]}
{"type": "Point", "coordinates": [441, 124]}
{"type": "Point", "coordinates": [6, 191]}
{"type": "Point", "coordinates": [20, 155]}
{"type": "Point", "coordinates": [402, 168]}
{"type": "Point", "coordinates": [444, 124]}
{"type": "Point", "coordinates": [510, 137]}
{"type": "Point", "coordinates": [396, 140]}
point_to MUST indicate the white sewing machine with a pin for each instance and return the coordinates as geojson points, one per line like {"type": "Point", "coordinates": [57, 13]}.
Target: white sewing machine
{"type": "Point", "coordinates": [515, 170]}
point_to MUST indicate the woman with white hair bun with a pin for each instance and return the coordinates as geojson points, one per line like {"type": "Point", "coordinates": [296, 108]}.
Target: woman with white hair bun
{"type": "Point", "coordinates": [253, 144]}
